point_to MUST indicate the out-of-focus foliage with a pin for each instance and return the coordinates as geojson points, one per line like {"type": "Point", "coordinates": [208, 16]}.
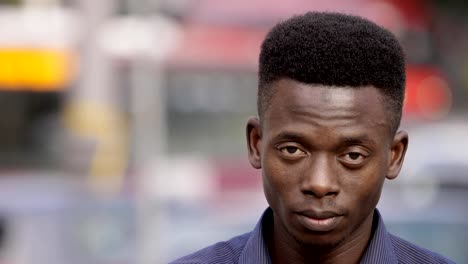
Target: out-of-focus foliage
{"type": "Point", "coordinates": [10, 2]}
{"type": "Point", "coordinates": [454, 7]}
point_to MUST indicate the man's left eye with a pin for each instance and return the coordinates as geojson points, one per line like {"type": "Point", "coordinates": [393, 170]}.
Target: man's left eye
{"type": "Point", "coordinates": [353, 158]}
{"type": "Point", "coordinates": [354, 155]}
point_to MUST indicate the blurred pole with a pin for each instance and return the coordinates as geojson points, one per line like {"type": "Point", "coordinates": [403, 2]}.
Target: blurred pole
{"type": "Point", "coordinates": [93, 113]}
{"type": "Point", "coordinates": [147, 103]}
{"type": "Point", "coordinates": [149, 136]}
{"type": "Point", "coordinates": [149, 132]}
{"type": "Point", "coordinates": [95, 82]}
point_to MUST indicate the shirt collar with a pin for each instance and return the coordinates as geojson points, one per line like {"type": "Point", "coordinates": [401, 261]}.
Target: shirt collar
{"type": "Point", "coordinates": [256, 250]}
{"type": "Point", "coordinates": [380, 249]}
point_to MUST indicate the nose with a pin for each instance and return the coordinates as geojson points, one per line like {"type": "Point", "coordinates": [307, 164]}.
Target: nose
{"type": "Point", "coordinates": [320, 179]}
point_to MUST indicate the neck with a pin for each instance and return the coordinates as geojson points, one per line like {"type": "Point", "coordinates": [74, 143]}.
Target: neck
{"type": "Point", "coordinates": [285, 249]}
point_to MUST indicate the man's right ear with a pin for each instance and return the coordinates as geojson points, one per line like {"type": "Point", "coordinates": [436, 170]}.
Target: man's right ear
{"type": "Point", "coordinates": [254, 140]}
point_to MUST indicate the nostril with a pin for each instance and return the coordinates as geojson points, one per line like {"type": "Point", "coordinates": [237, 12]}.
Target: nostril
{"type": "Point", "coordinates": [318, 194]}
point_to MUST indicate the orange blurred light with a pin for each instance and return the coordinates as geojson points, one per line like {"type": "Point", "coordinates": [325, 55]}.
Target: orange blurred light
{"type": "Point", "coordinates": [434, 97]}
{"type": "Point", "coordinates": [36, 69]}
{"type": "Point", "coordinates": [428, 94]}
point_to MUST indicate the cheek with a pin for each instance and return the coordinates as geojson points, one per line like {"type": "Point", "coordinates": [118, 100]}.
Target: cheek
{"type": "Point", "coordinates": [278, 181]}
{"type": "Point", "coordinates": [367, 186]}
{"type": "Point", "coordinates": [372, 195]}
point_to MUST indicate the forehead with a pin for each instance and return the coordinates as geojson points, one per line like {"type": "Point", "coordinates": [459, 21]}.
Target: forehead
{"type": "Point", "coordinates": [330, 106]}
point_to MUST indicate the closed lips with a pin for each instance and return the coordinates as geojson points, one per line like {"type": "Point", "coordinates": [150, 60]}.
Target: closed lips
{"type": "Point", "coordinates": [319, 222]}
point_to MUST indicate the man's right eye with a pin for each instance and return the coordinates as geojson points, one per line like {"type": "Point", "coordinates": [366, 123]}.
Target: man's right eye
{"type": "Point", "coordinates": [291, 151]}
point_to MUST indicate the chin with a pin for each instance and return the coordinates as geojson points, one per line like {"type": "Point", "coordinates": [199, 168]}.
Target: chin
{"type": "Point", "coordinates": [321, 240]}
{"type": "Point", "coordinates": [324, 240]}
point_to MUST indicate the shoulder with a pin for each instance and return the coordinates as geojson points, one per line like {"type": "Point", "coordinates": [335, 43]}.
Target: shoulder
{"type": "Point", "coordinates": [410, 253]}
{"type": "Point", "coordinates": [225, 252]}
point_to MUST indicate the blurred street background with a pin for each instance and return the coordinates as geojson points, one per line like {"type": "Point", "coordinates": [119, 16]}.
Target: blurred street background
{"type": "Point", "coordinates": [122, 125]}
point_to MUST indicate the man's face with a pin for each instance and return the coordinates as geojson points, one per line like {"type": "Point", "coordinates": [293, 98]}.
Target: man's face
{"type": "Point", "coordinates": [325, 153]}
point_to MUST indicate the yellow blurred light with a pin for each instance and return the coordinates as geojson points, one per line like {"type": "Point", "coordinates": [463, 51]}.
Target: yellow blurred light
{"type": "Point", "coordinates": [36, 69]}
{"type": "Point", "coordinates": [107, 126]}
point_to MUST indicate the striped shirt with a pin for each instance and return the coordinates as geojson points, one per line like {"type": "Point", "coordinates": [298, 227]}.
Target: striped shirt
{"type": "Point", "coordinates": [250, 248]}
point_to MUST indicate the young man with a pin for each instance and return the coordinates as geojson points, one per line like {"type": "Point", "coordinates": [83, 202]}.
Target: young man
{"type": "Point", "coordinates": [330, 95]}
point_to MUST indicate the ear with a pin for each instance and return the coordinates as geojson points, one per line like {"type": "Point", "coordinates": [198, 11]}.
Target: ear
{"type": "Point", "coordinates": [397, 155]}
{"type": "Point", "coordinates": [254, 139]}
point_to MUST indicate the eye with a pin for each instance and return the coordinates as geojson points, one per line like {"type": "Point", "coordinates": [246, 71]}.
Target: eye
{"type": "Point", "coordinates": [291, 151]}
{"type": "Point", "coordinates": [353, 158]}
{"type": "Point", "coordinates": [354, 155]}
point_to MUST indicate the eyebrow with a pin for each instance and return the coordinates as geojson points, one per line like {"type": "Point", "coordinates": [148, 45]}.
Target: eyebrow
{"type": "Point", "coordinates": [289, 136]}
{"type": "Point", "coordinates": [347, 140]}
{"type": "Point", "coordinates": [358, 140]}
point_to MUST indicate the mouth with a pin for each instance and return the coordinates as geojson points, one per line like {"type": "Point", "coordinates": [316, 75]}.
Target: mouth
{"type": "Point", "coordinates": [319, 221]}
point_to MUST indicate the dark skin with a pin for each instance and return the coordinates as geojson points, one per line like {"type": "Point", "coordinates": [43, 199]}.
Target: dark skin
{"type": "Point", "coordinates": [325, 153]}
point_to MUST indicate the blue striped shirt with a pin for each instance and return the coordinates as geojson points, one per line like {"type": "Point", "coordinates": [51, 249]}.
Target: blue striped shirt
{"type": "Point", "coordinates": [250, 248]}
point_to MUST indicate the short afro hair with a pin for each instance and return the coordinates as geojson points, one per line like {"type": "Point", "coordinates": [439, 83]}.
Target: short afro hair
{"type": "Point", "coordinates": [333, 49]}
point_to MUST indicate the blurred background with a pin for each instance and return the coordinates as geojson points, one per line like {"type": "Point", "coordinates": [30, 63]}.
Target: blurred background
{"type": "Point", "coordinates": [122, 125]}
